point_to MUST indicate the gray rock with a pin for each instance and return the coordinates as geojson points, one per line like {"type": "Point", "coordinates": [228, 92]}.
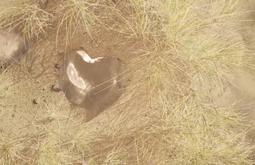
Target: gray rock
{"type": "Point", "coordinates": [12, 48]}
{"type": "Point", "coordinates": [91, 83]}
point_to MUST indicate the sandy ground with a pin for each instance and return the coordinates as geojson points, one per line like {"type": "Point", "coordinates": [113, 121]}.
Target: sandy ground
{"type": "Point", "coordinates": [32, 79]}
{"type": "Point", "coordinates": [43, 109]}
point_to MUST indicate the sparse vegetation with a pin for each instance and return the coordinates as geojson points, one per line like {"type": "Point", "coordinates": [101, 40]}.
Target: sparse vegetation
{"type": "Point", "coordinates": [78, 16]}
{"type": "Point", "coordinates": [25, 16]}
{"type": "Point", "coordinates": [179, 63]}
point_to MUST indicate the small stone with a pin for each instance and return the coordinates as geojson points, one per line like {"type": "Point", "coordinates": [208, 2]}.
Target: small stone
{"type": "Point", "coordinates": [35, 101]}
{"type": "Point", "coordinates": [55, 88]}
{"type": "Point", "coordinates": [57, 66]}
{"type": "Point", "coordinates": [12, 48]}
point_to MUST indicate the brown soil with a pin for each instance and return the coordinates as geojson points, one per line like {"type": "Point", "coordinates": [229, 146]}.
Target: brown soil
{"type": "Point", "coordinates": [44, 109]}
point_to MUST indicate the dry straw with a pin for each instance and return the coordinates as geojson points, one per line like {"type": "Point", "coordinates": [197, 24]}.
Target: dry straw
{"type": "Point", "coordinates": [167, 114]}
{"type": "Point", "coordinates": [25, 16]}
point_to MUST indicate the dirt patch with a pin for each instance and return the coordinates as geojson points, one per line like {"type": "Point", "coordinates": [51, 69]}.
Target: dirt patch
{"type": "Point", "coordinates": [160, 118]}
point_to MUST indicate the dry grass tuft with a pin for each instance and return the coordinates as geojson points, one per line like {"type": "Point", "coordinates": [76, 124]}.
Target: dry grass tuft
{"type": "Point", "coordinates": [142, 19]}
{"type": "Point", "coordinates": [26, 17]}
{"type": "Point", "coordinates": [77, 16]}
{"type": "Point", "coordinates": [161, 128]}
{"type": "Point", "coordinates": [174, 122]}
{"type": "Point", "coordinates": [135, 19]}
{"type": "Point", "coordinates": [167, 114]}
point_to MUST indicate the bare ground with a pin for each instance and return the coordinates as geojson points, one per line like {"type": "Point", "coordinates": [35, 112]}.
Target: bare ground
{"type": "Point", "coordinates": [46, 118]}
